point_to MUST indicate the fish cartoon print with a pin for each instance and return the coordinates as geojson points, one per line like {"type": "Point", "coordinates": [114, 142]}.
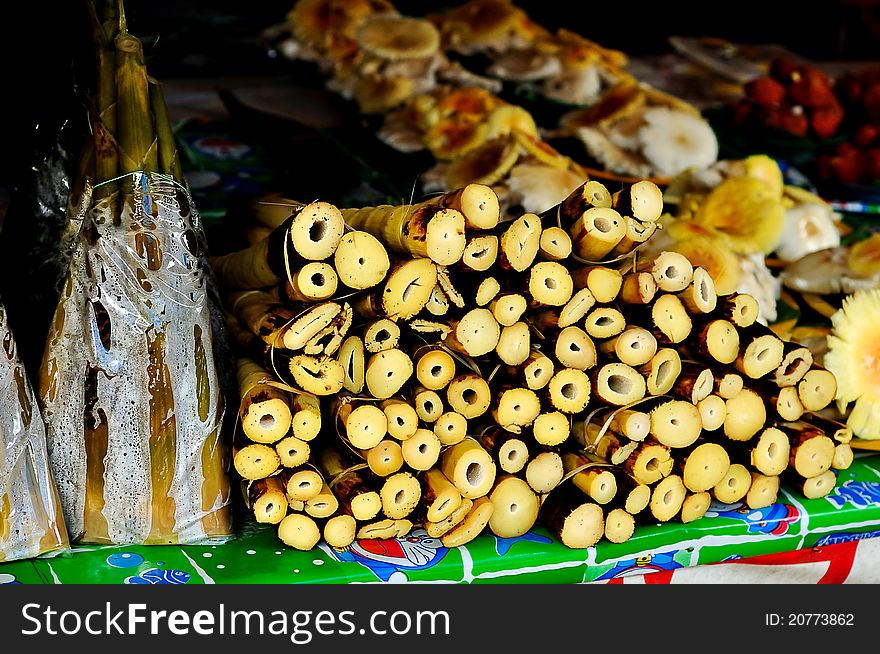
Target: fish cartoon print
{"type": "Point", "coordinates": [650, 563]}
{"type": "Point", "coordinates": [861, 494]}
{"type": "Point", "coordinates": [390, 559]}
{"type": "Point", "coordinates": [774, 519]}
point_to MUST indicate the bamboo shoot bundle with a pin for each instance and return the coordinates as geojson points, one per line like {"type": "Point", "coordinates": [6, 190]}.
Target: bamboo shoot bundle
{"type": "Point", "coordinates": [31, 519]}
{"type": "Point", "coordinates": [129, 384]}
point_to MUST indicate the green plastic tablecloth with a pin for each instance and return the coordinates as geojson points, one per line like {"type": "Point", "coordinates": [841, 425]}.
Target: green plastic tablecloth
{"type": "Point", "coordinates": [728, 532]}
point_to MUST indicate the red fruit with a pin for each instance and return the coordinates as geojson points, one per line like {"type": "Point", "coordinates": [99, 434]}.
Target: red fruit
{"type": "Point", "coordinates": [849, 89]}
{"type": "Point", "coordinates": [871, 101]}
{"type": "Point", "coordinates": [847, 165]}
{"type": "Point", "coordinates": [866, 134]}
{"type": "Point", "coordinates": [770, 116]}
{"type": "Point", "coordinates": [741, 112]}
{"type": "Point", "coordinates": [873, 164]}
{"type": "Point", "coordinates": [765, 91]}
{"type": "Point", "coordinates": [782, 69]}
{"type": "Point", "coordinates": [813, 89]}
{"type": "Point", "coordinates": [826, 120]}
{"type": "Point", "coordinates": [794, 121]}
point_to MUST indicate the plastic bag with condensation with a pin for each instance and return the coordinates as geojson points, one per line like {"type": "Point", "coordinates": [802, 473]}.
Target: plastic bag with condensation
{"type": "Point", "coordinates": [31, 522]}
{"type": "Point", "coordinates": [130, 388]}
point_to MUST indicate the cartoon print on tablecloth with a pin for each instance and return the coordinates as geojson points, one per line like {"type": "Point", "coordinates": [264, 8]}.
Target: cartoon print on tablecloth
{"type": "Point", "coordinates": [389, 559]}
{"type": "Point", "coordinates": [861, 494]}
{"type": "Point", "coordinates": [503, 545]}
{"type": "Point", "coordinates": [8, 579]}
{"type": "Point", "coordinates": [124, 560]}
{"type": "Point", "coordinates": [155, 576]}
{"type": "Point", "coordinates": [774, 519]}
{"type": "Point", "coordinates": [660, 562]}
{"type": "Point", "coordinates": [842, 537]}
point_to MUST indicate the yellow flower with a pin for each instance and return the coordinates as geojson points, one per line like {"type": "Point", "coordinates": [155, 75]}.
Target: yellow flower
{"type": "Point", "coordinates": [854, 358]}
{"type": "Point", "coordinates": [748, 210]}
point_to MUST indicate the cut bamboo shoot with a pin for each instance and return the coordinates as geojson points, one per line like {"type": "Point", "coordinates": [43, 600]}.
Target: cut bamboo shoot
{"type": "Point", "coordinates": [670, 321]}
{"type": "Point", "coordinates": [555, 244]}
{"type": "Point", "coordinates": [770, 453]}
{"type": "Point", "coordinates": [596, 233]}
{"type": "Point", "coordinates": [703, 466]}
{"type": "Point", "coordinates": [401, 417]}
{"type": "Point", "coordinates": [744, 416]}
{"type": "Point", "coordinates": [632, 495]}
{"type": "Point", "coordinates": [796, 361]}
{"type": "Point", "coordinates": [576, 523]}
{"type": "Point", "coordinates": [507, 448]}
{"type": "Point", "coordinates": [700, 296]}
{"type": "Point", "coordinates": [476, 334]}
{"type": "Point", "coordinates": [587, 195]}
{"type": "Point", "coordinates": [487, 291]}
{"type": "Point", "coordinates": [550, 284]}
{"type": "Point", "coordinates": [322, 505]}
{"type": "Point", "coordinates": [361, 261]}
{"type": "Point", "coordinates": [785, 402]}
{"type": "Point", "coordinates": [421, 450]}
{"type": "Point", "coordinates": [352, 359]}
{"type": "Point", "coordinates": [695, 382]}
{"type": "Point", "coordinates": [761, 352]}
{"type": "Point", "coordinates": [603, 282]}
{"type": "Point", "coordinates": [508, 308]}
{"type": "Point", "coordinates": [667, 498]}
{"type": "Point", "coordinates": [514, 345]}
{"type": "Point", "coordinates": [515, 507]}
{"type": "Point", "coordinates": [637, 232]}
{"type": "Point", "coordinates": [728, 384]}
{"type": "Point", "coordinates": [597, 482]}
{"type": "Point", "coordinates": [435, 368]}
{"type": "Point", "coordinates": [619, 526]}
{"type": "Point", "coordinates": [544, 471]}
{"type": "Point", "coordinates": [469, 467]}
{"type": "Point", "coordinates": [604, 322]}
{"type": "Point", "coordinates": [439, 496]}
{"type": "Point", "coordinates": [267, 500]}
{"type": "Point", "coordinates": [812, 452]}
{"type": "Point", "coordinates": [302, 484]}
{"type": "Point", "coordinates": [635, 346]}
{"type": "Point", "coordinates": [381, 335]}
{"type": "Point", "coordinates": [314, 282]}
{"type": "Point", "coordinates": [407, 289]}
{"type": "Point", "coordinates": [306, 421]}
{"type": "Point", "coordinates": [385, 459]}
{"type": "Point", "coordinates": [451, 428]}
{"type": "Point", "coordinates": [472, 525]}
{"type": "Point", "coordinates": [843, 456]}
{"type": "Point", "coordinates": [712, 412]}
{"type": "Point", "coordinates": [643, 201]}
{"type": "Point", "coordinates": [576, 308]}
{"type": "Point", "coordinates": [695, 506]}
{"type": "Point", "coordinates": [480, 253]}
{"type": "Point", "coordinates": [814, 487]}
{"type": "Point", "coordinates": [662, 371]}
{"type": "Point", "coordinates": [569, 390]}
{"type": "Point", "coordinates": [734, 486]}
{"type": "Point", "coordinates": [400, 495]}
{"type": "Point", "coordinates": [469, 395]}
{"type": "Point", "coordinates": [817, 389]}
{"type": "Point", "coordinates": [716, 340]}
{"type": "Point", "coordinates": [837, 430]}
{"type": "Point", "coordinates": [618, 384]}
{"type": "Point", "coordinates": [638, 288]}
{"type": "Point", "coordinates": [299, 531]}
{"type": "Point", "coordinates": [763, 491]}
{"type": "Point", "coordinates": [520, 243]}
{"type": "Point", "coordinates": [606, 444]}
{"type": "Point", "coordinates": [739, 308]}
{"type": "Point", "coordinates": [265, 410]}
{"type": "Point", "coordinates": [444, 526]}
{"type": "Point", "coordinates": [292, 452]}
{"type": "Point", "coordinates": [535, 372]}
{"type": "Point", "coordinates": [255, 461]}
{"type": "Point", "coordinates": [672, 272]}
{"type": "Point", "coordinates": [319, 375]}
{"type": "Point", "coordinates": [365, 424]}
{"type": "Point", "coordinates": [676, 423]}
{"type": "Point", "coordinates": [477, 202]}
{"type": "Point", "coordinates": [429, 406]}
{"type": "Point", "coordinates": [633, 424]}
{"type": "Point", "coordinates": [387, 372]}
{"type": "Point", "coordinates": [340, 531]}
{"type": "Point", "coordinates": [575, 349]}
{"type": "Point", "coordinates": [551, 428]}
{"type": "Point", "coordinates": [649, 463]}
{"type": "Point", "coordinates": [385, 529]}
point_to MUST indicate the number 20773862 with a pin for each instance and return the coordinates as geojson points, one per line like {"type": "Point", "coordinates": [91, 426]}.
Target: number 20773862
{"type": "Point", "coordinates": [809, 619]}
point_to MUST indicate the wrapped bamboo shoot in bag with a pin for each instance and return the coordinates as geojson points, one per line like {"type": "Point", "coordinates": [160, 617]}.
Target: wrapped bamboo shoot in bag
{"type": "Point", "coordinates": [31, 522]}
{"type": "Point", "coordinates": [129, 385]}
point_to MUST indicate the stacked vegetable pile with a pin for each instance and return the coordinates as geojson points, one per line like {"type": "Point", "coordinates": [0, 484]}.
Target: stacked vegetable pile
{"type": "Point", "coordinates": [433, 365]}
